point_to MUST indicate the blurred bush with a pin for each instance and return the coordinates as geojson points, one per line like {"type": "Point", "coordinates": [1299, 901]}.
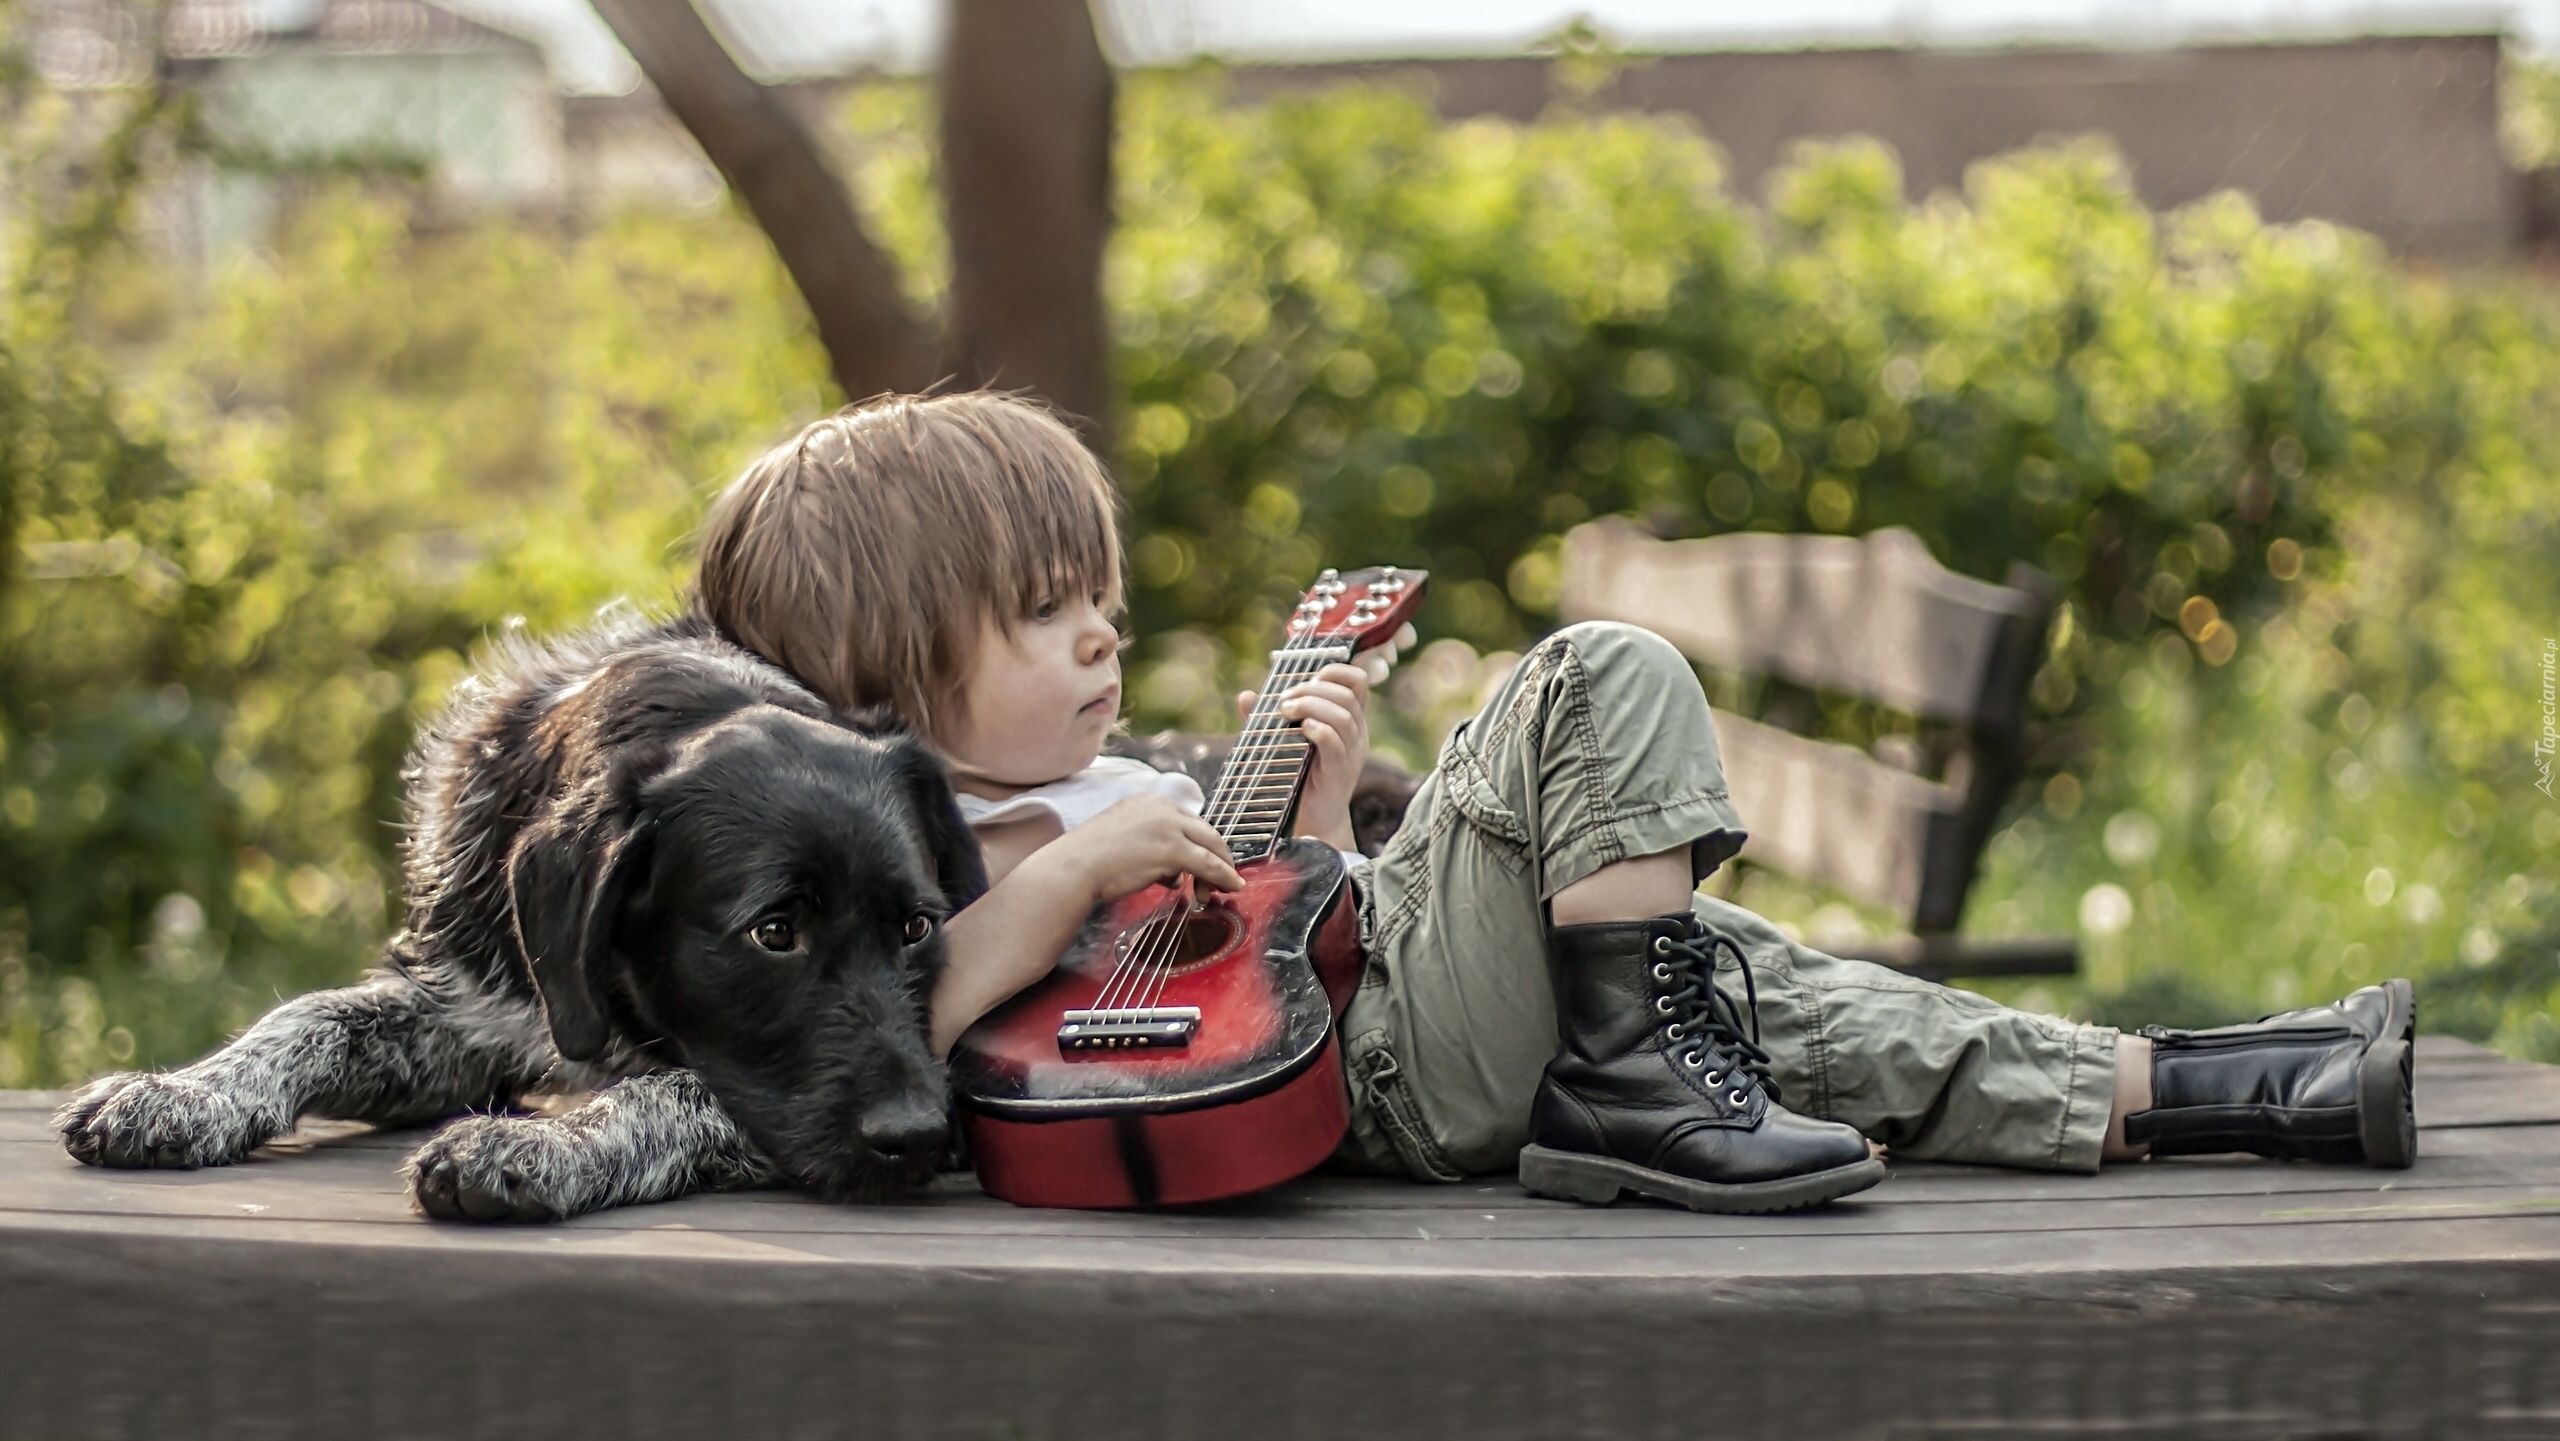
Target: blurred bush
{"type": "Point", "coordinates": [2298, 494]}
{"type": "Point", "coordinates": [1347, 327]}
{"type": "Point", "coordinates": [258, 526]}
{"type": "Point", "coordinates": [2295, 492]}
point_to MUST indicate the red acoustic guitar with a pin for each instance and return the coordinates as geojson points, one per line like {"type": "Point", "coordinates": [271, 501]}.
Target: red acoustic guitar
{"type": "Point", "coordinates": [1183, 1050]}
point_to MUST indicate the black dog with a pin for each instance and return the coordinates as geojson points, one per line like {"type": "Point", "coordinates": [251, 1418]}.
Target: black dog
{"type": "Point", "coordinates": [641, 859]}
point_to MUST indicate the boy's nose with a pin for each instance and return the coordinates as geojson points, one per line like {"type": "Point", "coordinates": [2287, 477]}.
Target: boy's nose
{"type": "Point", "coordinates": [1099, 642]}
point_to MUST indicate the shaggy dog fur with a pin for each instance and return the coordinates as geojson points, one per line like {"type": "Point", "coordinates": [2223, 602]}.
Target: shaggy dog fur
{"type": "Point", "coordinates": [640, 860]}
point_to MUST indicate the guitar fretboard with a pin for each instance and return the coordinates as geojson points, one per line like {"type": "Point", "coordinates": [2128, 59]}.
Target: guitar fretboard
{"type": "Point", "coordinates": [1260, 784]}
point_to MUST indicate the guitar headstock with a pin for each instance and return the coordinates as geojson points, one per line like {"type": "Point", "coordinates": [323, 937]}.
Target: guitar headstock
{"type": "Point", "coordinates": [1359, 608]}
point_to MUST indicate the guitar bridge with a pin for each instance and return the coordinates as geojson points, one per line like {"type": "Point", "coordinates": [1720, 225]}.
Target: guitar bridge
{"type": "Point", "coordinates": [1128, 1028]}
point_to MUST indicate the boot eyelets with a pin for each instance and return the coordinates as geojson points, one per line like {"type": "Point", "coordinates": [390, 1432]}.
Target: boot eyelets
{"type": "Point", "coordinates": [1661, 971]}
{"type": "Point", "coordinates": [1695, 1059]}
{"type": "Point", "coordinates": [1714, 1079]}
{"type": "Point", "coordinates": [1735, 1099]}
{"type": "Point", "coordinates": [1673, 1033]}
{"type": "Point", "coordinates": [1662, 945]}
{"type": "Point", "coordinates": [1662, 1005]}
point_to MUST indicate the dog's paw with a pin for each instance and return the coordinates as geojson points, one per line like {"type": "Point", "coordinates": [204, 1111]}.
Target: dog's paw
{"type": "Point", "coordinates": [173, 1122]}
{"type": "Point", "coordinates": [500, 1168]}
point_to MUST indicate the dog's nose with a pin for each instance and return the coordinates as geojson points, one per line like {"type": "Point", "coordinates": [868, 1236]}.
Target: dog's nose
{"type": "Point", "coordinates": [902, 1128]}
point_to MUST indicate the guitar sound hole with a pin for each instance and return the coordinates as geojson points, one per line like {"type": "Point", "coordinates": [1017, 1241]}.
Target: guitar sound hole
{"type": "Point", "coordinates": [1178, 945]}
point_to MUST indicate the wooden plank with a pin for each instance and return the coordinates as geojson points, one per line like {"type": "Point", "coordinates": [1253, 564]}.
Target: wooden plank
{"type": "Point", "coordinates": [1826, 813]}
{"type": "Point", "coordinates": [338, 1174]}
{"type": "Point", "coordinates": [1877, 616]}
{"type": "Point", "coordinates": [2468, 1085]}
{"type": "Point", "coordinates": [295, 1296]}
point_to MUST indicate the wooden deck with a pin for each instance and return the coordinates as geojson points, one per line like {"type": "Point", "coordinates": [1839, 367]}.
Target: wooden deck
{"type": "Point", "coordinates": [296, 1296]}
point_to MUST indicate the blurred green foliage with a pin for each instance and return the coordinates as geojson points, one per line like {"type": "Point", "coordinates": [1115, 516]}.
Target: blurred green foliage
{"type": "Point", "coordinates": [258, 524]}
{"type": "Point", "coordinates": [2294, 491]}
{"type": "Point", "coordinates": [2297, 493]}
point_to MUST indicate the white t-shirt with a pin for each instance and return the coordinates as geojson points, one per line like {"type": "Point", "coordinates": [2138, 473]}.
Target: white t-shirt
{"type": "Point", "coordinates": [1093, 790]}
{"type": "Point", "coordinates": [1086, 794]}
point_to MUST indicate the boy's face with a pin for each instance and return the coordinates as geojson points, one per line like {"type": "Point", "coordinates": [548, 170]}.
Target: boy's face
{"type": "Point", "coordinates": [1038, 701]}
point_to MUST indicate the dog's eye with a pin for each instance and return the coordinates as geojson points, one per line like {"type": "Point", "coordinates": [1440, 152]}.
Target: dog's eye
{"type": "Point", "coordinates": [775, 936]}
{"type": "Point", "coordinates": [919, 926]}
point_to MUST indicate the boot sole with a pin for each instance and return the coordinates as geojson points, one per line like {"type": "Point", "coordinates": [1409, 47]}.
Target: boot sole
{"type": "Point", "coordinates": [2386, 1115]}
{"type": "Point", "coordinates": [1598, 1180]}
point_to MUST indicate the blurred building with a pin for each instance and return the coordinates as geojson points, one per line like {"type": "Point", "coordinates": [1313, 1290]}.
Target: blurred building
{"type": "Point", "coordinates": [394, 85]}
{"type": "Point", "coordinates": [2397, 135]}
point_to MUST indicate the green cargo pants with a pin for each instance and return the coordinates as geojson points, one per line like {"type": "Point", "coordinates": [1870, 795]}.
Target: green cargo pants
{"type": "Point", "coordinates": [1597, 749]}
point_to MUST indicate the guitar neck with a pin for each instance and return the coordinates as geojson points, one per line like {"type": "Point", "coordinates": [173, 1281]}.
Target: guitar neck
{"type": "Point", "coordinates": [1340, 616]}
{"type": "Point", "coordinates": [1258, 791]}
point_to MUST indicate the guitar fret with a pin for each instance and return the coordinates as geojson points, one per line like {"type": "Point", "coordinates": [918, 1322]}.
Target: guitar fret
{"type": "Point", "coordinates": [1270, 755]}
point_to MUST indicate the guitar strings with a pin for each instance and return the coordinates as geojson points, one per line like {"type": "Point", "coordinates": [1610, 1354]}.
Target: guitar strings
{"type": "Point", "coordinates": [1271, 748]}
{"type": "Point", "coordinates": [1247, 769]}
{"type": "Point", "coordinates": [1247, 774]}
{"type": "Point", "coordinates": [1148, 960]}
{"type": "Point", "coordinates": [1268, 747]}
{"type": "Point", "coordinates": [1261, 747]}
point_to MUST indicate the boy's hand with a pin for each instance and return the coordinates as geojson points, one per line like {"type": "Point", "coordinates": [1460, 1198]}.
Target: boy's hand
{"type": "Point", "coordinates": [1332, 709]}
{"type": "Point", "coordinates": [1138, 842]}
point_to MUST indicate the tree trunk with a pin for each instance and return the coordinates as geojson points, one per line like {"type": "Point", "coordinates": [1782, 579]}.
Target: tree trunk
{"type": "Point", "coordinates": [773, 164]}
{"type": "Point", "coordinates": [1026, 175]}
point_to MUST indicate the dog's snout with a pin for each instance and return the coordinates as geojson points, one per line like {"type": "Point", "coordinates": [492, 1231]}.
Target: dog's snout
{"type": "Point", "coordinates": [903, 1128]}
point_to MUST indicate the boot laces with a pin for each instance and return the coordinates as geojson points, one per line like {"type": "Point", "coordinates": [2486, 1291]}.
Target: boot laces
{"type": "Point", "coordinates": [1703, 1024]}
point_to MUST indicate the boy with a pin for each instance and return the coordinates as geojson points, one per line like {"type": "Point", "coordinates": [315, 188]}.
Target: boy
{"type": "Point", "coordinates": [1545, 988]}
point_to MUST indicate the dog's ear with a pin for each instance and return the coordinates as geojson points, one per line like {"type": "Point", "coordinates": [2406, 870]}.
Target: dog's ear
{"type": "Point", "coordinates": [568, 879]}
{"type": "Point", "coordinates": [958, 867]}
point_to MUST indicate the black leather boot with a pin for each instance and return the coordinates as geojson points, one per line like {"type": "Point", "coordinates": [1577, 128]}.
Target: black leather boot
{"type": "Point", "coordinates": [2328, 1084]}
{"type": "Point", "coordinates": [1656, 1090]}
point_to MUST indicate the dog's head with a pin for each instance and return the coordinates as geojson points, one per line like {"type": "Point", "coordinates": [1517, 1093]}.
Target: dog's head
{"type": "Point", "coordinates": [766, 898]}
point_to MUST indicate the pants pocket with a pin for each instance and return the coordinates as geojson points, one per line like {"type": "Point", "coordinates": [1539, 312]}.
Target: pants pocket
{"type": "Point", "coordinates": [1466, 788]}
{"type": "Point", "coordinates": [1379, 1081]}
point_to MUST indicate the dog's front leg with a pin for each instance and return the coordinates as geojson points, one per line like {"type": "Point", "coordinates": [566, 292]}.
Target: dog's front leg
{"type": "Point", "coordinates": [383, 1051]}
{"type": "Point", "coordinates": [651, 1137]}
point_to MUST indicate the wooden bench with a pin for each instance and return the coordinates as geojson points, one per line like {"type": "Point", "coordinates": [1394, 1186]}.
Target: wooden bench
{"type": "Point", "coordinates": [295, 1296]}
{"type": "Point", "coordinates": [1879, 619]}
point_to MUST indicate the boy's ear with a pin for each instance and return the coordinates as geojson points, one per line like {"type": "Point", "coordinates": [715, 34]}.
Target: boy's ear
{"type": "Point", "coordinates": [568, 878]}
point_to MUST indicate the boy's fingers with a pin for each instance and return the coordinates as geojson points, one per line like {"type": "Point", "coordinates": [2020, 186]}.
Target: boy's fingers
{"type": "Point", "coordinates": [1374, 665]}
{"type": "Point", "coordinates": [1349, 677]}
{"type": "Point", "coordinates": [1214, 867]}
{"type": "Point", "coordinates": [1244, 702]}
{"type": "Point", "coordinates": [1332, 720]}
{"type": "Point", "coordinates": [1345, 683]}
{"type": "Point", "coordinates": [1342, 715]}
{"type": "Point", "coordinates": [1348, 698]}
{"type": "Point", "coordinates": [1200, 833]}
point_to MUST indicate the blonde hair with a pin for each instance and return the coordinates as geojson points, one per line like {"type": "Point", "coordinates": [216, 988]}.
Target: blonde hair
{"type": "Point", "coordinates": [865, 555]}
